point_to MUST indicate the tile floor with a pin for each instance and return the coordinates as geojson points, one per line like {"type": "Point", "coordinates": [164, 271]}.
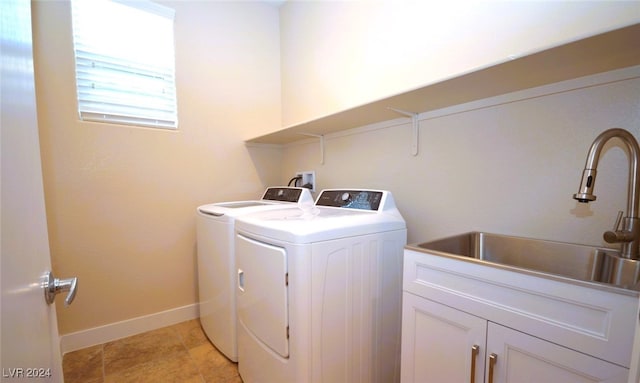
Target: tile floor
{"type": "Point", "coordinates": [178, 353]}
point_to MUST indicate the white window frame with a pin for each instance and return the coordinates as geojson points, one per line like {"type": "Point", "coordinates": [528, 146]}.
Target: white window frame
{"type": "Point", "coordinates": [125, 62]}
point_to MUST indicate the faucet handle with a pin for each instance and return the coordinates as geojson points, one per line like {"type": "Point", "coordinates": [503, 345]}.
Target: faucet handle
{"type": "Point", "coordinates": [616, 226]}
{"type": "Point", "coordinates": [618, 236]}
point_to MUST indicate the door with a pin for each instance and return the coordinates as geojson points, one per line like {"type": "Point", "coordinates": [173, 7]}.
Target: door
{"type": "Point", "coordinates": [517, 357]}
{"type": "Point", "coordinates": [262, 293]}
{"type": "Point", "coordinates": [30, 345]}
{"type": "Point", "coordinates": [440, 344]}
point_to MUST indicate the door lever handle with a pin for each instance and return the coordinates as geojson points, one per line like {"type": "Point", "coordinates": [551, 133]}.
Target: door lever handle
{"type": "Point", "coordinates": [53, 286]}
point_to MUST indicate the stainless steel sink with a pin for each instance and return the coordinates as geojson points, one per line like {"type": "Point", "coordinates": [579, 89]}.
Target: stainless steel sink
{"type": "Point", "coordinates": [579, 262]}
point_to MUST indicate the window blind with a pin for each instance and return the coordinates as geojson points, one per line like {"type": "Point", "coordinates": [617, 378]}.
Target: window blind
{"type": "Point", "coordinates": [125, 62]}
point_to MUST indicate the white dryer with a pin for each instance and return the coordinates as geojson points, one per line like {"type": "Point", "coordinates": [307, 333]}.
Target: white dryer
{"type": "Point", "coordinates": [216, 261]}
{"type": "Point", "coordinates": [319, 290]}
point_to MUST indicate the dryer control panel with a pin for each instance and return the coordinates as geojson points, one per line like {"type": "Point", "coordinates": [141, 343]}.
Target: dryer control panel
{"type": "Point", "coordinates": [352, 199]}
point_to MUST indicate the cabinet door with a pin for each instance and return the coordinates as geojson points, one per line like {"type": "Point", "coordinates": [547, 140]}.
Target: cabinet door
{"type": "Point", "coordinates": [524, 358]}
{"type": "Point", "coordinates": [440, 344]}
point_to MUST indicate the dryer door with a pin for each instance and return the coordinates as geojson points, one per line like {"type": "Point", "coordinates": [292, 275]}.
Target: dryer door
{"type": "Point", "coordinates": [262, 292]}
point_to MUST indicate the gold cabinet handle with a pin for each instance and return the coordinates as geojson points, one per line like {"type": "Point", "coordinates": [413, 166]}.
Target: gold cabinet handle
{"type": "Point", "coordinates": [493, 359]}
{"type": "Point", "coordinates": [475, 349]}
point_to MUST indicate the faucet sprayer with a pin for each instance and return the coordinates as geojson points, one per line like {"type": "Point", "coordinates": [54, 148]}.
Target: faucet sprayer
{"type": "Point", "coordinates": [629, 236]}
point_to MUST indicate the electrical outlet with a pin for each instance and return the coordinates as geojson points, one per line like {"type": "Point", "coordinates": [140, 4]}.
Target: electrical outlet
{"type": "Point", "coordinates": [308, 178]}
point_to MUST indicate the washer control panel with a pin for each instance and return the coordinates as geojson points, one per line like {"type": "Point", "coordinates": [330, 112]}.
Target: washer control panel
{"type": "Point", "coordinates": [282, 194]}
{"type": "Point", "coordinates": [352, 199]}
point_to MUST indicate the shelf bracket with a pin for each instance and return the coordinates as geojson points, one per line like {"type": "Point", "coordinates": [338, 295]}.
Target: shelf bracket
{"type": "Point", "coordinates": [414, 128]}
{"type": "Point", "coordinates": [321, 137]}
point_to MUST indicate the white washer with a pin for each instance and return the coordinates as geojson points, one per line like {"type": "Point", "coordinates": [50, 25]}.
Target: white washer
{"type": "Point", "coordinates": [216, 261]}
{"type": "Point", "coordinates": [319, 290]}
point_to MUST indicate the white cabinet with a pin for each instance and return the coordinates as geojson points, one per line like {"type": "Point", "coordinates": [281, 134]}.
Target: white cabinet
{"type": "Point", "coordinates": [540, 329]}
{"type": "Point", "coordinates": [517, 357]}
{"type": "Point", "coordinates": [442, 344]}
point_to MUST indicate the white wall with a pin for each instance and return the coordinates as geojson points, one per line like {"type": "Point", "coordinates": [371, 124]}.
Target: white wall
{"type": "Point", "coordinates": [507, 165]}
{"type": "Point", "coordinates": [340, 54]}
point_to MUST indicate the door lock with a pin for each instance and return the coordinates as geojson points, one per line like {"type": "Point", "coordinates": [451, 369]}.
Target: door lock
{"type": "Point", "coordinates": [53, 286]}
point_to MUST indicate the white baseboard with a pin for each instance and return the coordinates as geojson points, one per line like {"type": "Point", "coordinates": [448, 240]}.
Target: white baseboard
{"type": "Point", "coordinates": [113, 331]}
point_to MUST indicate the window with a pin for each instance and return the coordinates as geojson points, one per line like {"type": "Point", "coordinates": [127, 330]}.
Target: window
{"type": "Point", "coordinates": [125, 62]}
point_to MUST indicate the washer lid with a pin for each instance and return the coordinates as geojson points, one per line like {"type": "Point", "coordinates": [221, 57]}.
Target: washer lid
{"type": "Point", "coordinates": [241, 204]}
{"type": "Point", "coordinates": [273, 198]}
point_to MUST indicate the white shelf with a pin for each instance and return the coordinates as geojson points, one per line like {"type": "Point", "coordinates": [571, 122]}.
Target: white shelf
{"type": "Point", "coordinates": [601, 53]}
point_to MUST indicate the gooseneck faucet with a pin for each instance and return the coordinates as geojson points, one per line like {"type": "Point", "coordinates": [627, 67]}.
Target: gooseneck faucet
{"type": "Point", "coordinates": [629, 235]}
